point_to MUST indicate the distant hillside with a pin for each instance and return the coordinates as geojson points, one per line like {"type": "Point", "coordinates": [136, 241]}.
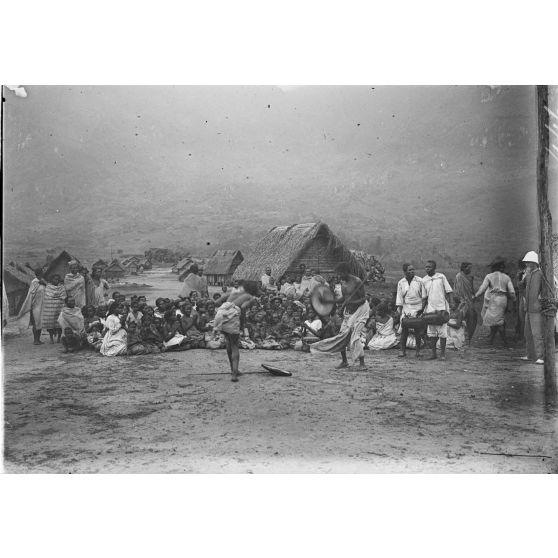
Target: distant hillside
{"type": "Point", "coordinates": [407, 172]}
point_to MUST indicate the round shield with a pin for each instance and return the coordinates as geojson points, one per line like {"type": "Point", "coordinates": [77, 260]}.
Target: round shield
{"type": "Point", "coordinates": [322, 300]}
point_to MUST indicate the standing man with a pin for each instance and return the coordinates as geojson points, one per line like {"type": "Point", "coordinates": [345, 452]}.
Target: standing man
{"type": "Point", "coordinates": [266, 278]}
{"type": "Point", "coordinates": [533, 319]}
{"type": "Point", "coordinates": [74, 282]}
{"type": "Point", "coordinates": [439, 295]}
{"type": "Point", "coordinates": [193, 282]}
{"type": "Point", "coordinates": [355, 315]}
{"type": "Point", "coordinates": [96, 288]}
{"type": "Point", "coordinates": [464, 289]}
{"type": "Point", "coordinates": [410, 302]}
{"type": "Point", "coordinates": [519, 285]}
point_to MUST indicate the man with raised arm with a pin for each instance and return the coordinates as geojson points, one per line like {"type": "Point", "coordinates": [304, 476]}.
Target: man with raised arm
{"type": "Point", "coordinates": [355, 314]}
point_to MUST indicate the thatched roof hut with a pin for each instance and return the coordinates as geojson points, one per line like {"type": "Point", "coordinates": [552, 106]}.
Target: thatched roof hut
{"type": "Point", "coordinates": [221, 266]}
{"type": "Point", "coordinates": [284, 248]}
{"type": "Point", "coordinates": [114, 270]}
{"type": "Point", "coordinates": [182, 265]}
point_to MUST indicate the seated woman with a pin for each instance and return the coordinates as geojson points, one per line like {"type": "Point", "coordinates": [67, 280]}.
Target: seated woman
{"type": "Point", "coordinates": [160, 308]}
{"type": "Point", "coordinates": [150, 335]}
{"type": "Point", "coordinates": [115, 338]}
{"type": "Point", "coordinates": [384, 336]}
{"type": "Point", "coordinates": [135, 314]}
{"type": "Point", "coordinates": [72, 324]}
{"type": "Point", "coordinates": [193, 300]}
{"type": "Point", "coordinates": [285, 328]}
{"type": "Point", "coordinates": [195, 338]}
{"type": "Point", "coordinates": [173, 339]}
{"type": "Point", "coordinates": [94, 336]}
{"type": "Point", "coordinates": [313, 325]}
{"type": "Point", "coordinates": [134, 340]}
{"type": "Point", "coordinates": [101, 312]}
{"type": "Point", "coordinates": [456, 325]}
{"type": "Point", "coordinates": [89, 317]}
{"type": "Point", "coordinates": [311, 330]}
{"type": "Point", "coordinates": [257, 328]}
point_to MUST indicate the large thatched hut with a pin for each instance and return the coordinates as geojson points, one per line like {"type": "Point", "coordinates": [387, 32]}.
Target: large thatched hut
{"type": "Point", "coordinates": [285, 248]}
{"type": "Point", "coordinates": [220, 267]}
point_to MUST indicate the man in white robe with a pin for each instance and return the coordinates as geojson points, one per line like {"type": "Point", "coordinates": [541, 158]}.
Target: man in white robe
{"type": "Point", "coordinates": [410, 300]}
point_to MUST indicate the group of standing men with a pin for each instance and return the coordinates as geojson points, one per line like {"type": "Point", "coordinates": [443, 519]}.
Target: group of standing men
{"type": "Point", "coordinates": [433, 293]}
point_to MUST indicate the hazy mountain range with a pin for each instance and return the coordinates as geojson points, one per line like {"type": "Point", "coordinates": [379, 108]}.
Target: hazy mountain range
{"type": "Point", "coordinates": [405, 171]}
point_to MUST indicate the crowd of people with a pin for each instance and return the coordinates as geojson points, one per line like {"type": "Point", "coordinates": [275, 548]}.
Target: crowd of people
{"type": "Point", "coordinates": [79, 312]}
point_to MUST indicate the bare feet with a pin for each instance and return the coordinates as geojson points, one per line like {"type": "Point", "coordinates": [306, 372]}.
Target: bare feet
{"type": "Point", "coordinates": [342, 365]}
{"type": "Point", "coordinates": [402, 355]}
{"type": "Point", "coordinates": [431, 357]}
{"type": "Point", "coordinates": [234, 378]}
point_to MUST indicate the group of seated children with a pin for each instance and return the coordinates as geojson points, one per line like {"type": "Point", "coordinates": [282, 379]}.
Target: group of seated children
{"type": "Point", "coordinates": [275, 321]}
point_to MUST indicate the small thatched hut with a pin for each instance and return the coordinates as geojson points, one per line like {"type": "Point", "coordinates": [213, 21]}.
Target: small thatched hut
{"type": "Point", "coordinates": [183, 265]}
{"type": "Point", "coordinates": [285, 248]}
{"type": "Point", "coordinates": [16, 283]}
{"type": "Point", "coordinates": [100, 264]}
{"type": "Point", "coordinates": [220, 267]}
{"type": "Point", "coordinates": [132, 267]}
{"type": "Point", "coordinates": [114, 271]}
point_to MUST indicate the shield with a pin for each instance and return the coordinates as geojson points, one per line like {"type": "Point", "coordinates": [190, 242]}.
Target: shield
{"type": "Point", "coordinates": [322, 300]}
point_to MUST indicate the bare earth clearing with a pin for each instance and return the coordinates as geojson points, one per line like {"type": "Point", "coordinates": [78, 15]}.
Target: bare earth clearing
{"type": "Point", "coordinates": [179, 412]}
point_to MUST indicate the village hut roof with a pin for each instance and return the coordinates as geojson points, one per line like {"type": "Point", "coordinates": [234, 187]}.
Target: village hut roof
{"type": "Point", "coordinates": [100, 263]}
{"type": "Point", "coordinates": [17, 274]}
{"type": "Point", "coordinates": [115, 266]}
{"type": "Point", "coordinates": [282, 245]}
{"type": "Point", "coordinates": [183, 262]}
{"type": "Point", "coordinates": [223, 262]}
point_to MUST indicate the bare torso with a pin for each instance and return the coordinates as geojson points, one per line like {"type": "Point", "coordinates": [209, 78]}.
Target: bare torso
{"type": "Point", "coordinates": [353, 293]}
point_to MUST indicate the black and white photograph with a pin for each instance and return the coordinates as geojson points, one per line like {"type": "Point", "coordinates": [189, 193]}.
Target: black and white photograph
{"type": "Point", "coordinates": [279, 278]}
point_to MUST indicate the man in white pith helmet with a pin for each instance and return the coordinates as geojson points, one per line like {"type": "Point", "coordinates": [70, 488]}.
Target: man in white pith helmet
{"type": "Point", "coordinates": [533, 317]}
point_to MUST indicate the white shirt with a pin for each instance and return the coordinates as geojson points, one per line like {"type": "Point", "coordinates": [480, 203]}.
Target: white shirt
{"type": "Point", "coordinates": [436, 288]}
{"type": "Point", "coordinates": [410, 295]}
{"type": "Point", "coordinates": [265, 280]}
{"type": "Point", "coordinates": [316, 325]}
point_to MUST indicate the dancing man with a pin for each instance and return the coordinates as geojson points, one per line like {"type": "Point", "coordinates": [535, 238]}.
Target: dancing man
{"type": "Point", "coordinates": [229, 319]}
{"type": "Point", "coordinates": [355, 315]}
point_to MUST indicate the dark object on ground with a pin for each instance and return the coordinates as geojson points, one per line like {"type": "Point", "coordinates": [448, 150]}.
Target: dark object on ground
{"type": "Point", "coordinates": [276, 371]}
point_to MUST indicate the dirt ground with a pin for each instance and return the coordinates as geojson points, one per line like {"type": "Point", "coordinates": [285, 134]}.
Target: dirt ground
{"type": "Point", "coordinates": [179, 413]}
